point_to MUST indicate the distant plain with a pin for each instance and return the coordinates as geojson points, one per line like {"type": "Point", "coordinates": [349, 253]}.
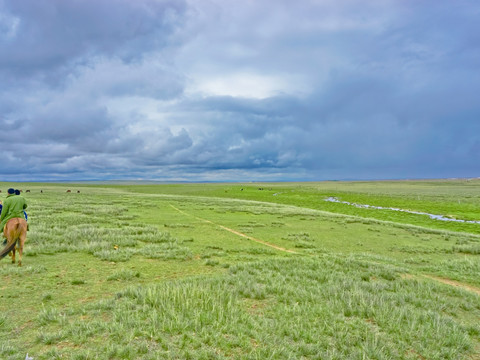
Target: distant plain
{"type": "Point", "coordinates": [245, 271]}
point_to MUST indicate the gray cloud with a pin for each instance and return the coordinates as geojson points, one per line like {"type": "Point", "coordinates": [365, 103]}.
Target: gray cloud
{"type": "Point", "coordinates": [44, 35]}
{"type": "Point", "coordinates": [224, 90]}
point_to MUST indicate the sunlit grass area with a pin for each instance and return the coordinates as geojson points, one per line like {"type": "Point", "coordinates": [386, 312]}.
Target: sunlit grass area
{"type": "Point", "coordinates": [206, 271]}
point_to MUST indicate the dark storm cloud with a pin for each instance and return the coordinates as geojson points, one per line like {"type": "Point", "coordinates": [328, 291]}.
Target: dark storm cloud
{"type": "Point", "coordinates": [227, 90]}
{"type": "Point", "coordinates": [48, 35]}
{"type": "Point", "coordinates": [61, 64]}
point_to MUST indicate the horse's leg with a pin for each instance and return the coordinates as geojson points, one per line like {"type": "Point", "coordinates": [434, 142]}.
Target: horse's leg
{"type": "Point", "coordinates": [12, 254]}
{"type": "Point", "coordinates": [21, 242]}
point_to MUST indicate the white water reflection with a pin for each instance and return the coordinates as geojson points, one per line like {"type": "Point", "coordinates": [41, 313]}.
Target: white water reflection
{"type": "Point", "coordinates": [432, 216]}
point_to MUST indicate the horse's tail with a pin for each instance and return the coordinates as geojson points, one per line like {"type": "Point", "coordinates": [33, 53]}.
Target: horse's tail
{"type": "Point", "coordinates": [9, 247]}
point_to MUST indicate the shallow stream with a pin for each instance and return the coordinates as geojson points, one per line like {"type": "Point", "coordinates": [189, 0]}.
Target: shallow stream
{"type": "Point", "coordinates": [432, 216]}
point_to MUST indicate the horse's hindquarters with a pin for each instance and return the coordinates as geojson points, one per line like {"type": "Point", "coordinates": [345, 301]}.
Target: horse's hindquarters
{"type": "Point", "coordinates": [16, 231]}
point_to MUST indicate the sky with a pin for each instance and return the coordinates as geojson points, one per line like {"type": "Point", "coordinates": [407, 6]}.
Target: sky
{"type": "Point", "coordinates": [227, 90]}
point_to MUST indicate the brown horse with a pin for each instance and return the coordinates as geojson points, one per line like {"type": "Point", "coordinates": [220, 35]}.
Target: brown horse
{"type": "Point", "coordinates": [16, 233]}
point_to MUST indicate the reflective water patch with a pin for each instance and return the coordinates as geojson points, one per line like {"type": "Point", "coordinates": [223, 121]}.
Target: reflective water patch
{"type": "Point", "coordinates": [432, 216]}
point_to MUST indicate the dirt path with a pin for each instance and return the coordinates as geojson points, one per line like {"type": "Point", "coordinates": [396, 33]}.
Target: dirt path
{"type": "Point", "coordinates": [236, 232]}
{"type": "Point", "coordinates": [458, 284]}
{"type": "Point", "coordinates": [446, 281]}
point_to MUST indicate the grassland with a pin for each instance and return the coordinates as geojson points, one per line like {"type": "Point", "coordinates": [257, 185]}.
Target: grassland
{"type": "Point", "coordinates": [245, 271]}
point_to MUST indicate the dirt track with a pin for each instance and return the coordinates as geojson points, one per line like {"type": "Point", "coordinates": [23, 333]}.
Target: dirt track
{"type": "Point", "coordinates": [454, 283]}
{"type": "Point", "coordinates": [450, 282]}
{"type": "Point", "coordinates": [237, 232]}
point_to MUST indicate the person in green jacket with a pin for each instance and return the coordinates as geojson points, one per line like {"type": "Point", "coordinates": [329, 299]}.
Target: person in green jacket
{"type": "Point", "coordinates": [13, 207]}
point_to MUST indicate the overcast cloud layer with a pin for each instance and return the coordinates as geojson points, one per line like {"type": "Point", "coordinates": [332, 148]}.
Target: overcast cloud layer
{"type": "Point", "coordinates": [214, 90]}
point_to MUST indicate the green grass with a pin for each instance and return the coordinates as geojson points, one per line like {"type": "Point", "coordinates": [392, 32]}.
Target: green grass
{"type": "Point", "coordinates": [161, 271]}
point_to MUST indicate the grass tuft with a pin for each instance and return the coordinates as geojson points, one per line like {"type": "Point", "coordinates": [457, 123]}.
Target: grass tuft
{"type": "Point", "coordinates": [124, 275]}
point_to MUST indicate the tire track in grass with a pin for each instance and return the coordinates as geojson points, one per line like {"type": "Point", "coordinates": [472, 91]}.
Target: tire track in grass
{"type": "Point", "coordinates": [466, 287]}
{"type": "Point", "coordinates": [237, 232]}
{"type": "Point", "coordinates": [454, 283]}
{"type": "Point", "coordinates": [445, 281]}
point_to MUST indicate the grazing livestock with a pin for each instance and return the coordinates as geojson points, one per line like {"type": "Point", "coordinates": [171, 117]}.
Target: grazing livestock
{"type": "Point", "coordinates": [16, 234]}
{"type": "Point", "coordinates": [69, 191]}
{"type": "Point", "coordinates": [26, 191]}
{"type": "Point", "coordinates": [78, 191]}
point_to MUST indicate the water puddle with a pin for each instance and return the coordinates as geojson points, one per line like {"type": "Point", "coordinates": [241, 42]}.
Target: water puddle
{"type": "Point", "coordinates": [432, 216]}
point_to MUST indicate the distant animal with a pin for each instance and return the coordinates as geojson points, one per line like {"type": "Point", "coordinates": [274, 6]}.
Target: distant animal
{"type": "Point", "coordinates": [16, 234]}
{"type": "Point", "coordinates": [41, 191]}
{"type": "Point", "coordinates": [27, 191]}
{"type": "Point", "coordinates": [78, 191]}
{"type": "Point", "coordinates": [69, 190]}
